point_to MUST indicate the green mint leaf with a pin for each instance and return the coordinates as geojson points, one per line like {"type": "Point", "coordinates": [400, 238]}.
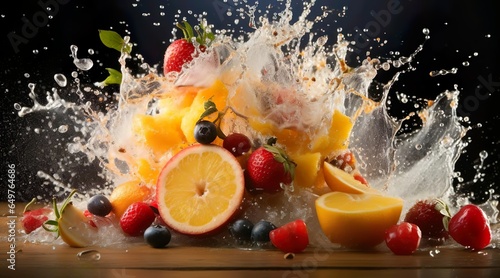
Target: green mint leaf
{"type": "Point", "coordinates": [114, 77]}
{"type": "Point", "coordinates": [113, 40]}
{"type": "Point", "coordinates": [208, 112]}
{"type": "Point", "coordinates": [209, 107]}
{"type": "Point", "coordinates": [209, 103]}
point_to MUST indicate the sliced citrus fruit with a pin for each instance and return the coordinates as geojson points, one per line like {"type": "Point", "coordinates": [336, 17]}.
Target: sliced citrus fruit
{"type": "Point", "coordinates": [126, 194]}
{"type": "Point", "coordinates": [357, 220]}
{"type": "Point", "coordinates": [339, 180]}
{"type": "Point", "coordinates": [199, 189]}
{"type": "Point", "coordinates": [74, 228]}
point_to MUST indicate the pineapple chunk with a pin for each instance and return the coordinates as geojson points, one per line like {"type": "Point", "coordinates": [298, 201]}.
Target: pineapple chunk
{"type": "Point", "coordinates": [337, 137]}
{"type": "Point", "coordinates": [217, 93]}
{"type": "Point", "coordinates": [307, 169]}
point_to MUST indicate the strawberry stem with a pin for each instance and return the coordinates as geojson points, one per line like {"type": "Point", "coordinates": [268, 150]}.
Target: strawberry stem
{"type": "Point", "coordinates": [281, 156]}
{"type": "Point", "coordinates": [443, 208]}
{"type": "Point", "coordinates": [203, 37]}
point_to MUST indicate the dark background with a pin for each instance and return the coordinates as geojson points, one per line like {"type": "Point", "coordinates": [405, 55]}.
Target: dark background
{"type": "Point", "coordinates": [460, 31]}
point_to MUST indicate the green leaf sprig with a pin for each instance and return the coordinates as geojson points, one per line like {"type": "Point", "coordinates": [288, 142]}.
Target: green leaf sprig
{"type": "Point", "coordinates": [211, 108]}
{"type": "Point", "coordinates": [113, 40]}
{"type": "Point", "coordinates": [52, 225]}
{"type": "Point", "coordinates": [203, 36]}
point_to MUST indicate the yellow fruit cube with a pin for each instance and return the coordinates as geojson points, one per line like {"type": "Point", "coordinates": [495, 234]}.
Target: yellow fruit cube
{"type": "Point", "coordinates": [160, 133]}
{"type": "Point", "coordinates": [307, 169]}
{"type": "Point", "coordinates": [217, 93]}
{"type": "Point", "coordinates": [337, 137]}
{"type": "Point", "coordinates": [147, 171]}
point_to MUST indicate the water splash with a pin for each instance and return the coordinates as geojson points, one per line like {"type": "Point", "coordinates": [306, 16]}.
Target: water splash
{"type": "Point", "coordinates": [280, 59]}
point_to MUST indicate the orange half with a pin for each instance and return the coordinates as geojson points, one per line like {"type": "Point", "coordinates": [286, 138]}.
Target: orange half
{"type": "Point", "coordinates": [199, 189]}
{"type": "Point", "coordinates": [357, 220]}
{"type": "Point", "coordinates": [339, 180]}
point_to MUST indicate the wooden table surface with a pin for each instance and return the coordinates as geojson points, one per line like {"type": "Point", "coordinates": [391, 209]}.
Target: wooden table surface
{"type": "Point", "coordinates": [139, 260]}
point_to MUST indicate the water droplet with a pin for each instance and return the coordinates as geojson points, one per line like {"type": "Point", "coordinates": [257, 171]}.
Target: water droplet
{"type": "Point", "coordinates": [426, 31]}
{"type": "Point", "coordinates": [27, 75]}
{"type": "Point", "coordinates": [17, 106]}
{"type": "Point", "coordinates": [84, 63]}
{"type": "Point", "coordinates": [35, 51]}
{"type": "Point", "coordinates": [465, 63]}
{"type": "Point", "coordinates": [63, 129]}
{"type": "Point", "coordinates": [89, 255]}
{"type": "Point", "coordinates": [91, 51]}
{"type": "Point", "coordinates": [434, 252]}
{"type": "Point", "coordinates": [322, 40]}
{"type": "Point", "coordinates": [60, 79]}
{"type": "Point", "coordinates": [483, 155]}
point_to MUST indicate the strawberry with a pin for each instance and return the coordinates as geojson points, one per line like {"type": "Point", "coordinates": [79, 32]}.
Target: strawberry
{"type": "Point", "coordinates": [431, 217]}
{"type": "Point", "coordinates": [403, 239]}
{"type": "Point", "coordinates": [33, 219]}
{"type": "Point", "coordinates": [470, 227]}
{"type": "Point", "coordinates": [181, 51]}
{"type": "Point", "coordinates": [291, 237]}
{"type": "Point", "coordinates": [267, 168]}
{"type": "Point", "coordinates": [137, 218]}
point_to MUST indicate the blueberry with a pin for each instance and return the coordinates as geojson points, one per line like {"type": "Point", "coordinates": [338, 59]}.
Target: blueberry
{"type": "Point", "coordinates": [99, 205]}
{"type": "Point", "coordinates": [241, 229]}
{"type": "Point", "coordinates": [157, 236]}
{"type": "Point", "coordinates": [260, 231]}
{"type": "Point", "coordinates": [205, 132]}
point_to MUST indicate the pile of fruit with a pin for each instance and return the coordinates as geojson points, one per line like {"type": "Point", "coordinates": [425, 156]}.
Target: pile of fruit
{"type": "Point", "coordinates": [200, 187]}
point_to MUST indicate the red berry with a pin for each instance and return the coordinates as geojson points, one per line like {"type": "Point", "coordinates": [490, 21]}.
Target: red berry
{"type": "Point", "coordinates": [33, 219]}
{"type": "Point", "coordinates": [268, 167]}
{"type": "Point", "coordinates": [89, 215]}
{"type": "Point", "coordinates": [403, 239]}
{"type": "Point", "coordinates": [360, 178]}
{"type": "Point", "coordinates": [237, 143]}
{"type": "Point", "coordinates": [177, 54]}
{"type": "Point", "coordinates": [345, 160]}
{"type": "Point", "coordinates": [426, 214]}
{"type": "Point", "coordinates": [181, 51]}
{"type": "Point", "coordinates": [137, 218]}
{"type": "Point", "coordinates": [291, 237]}
{"type": "Point", "coordinates": [470, 227]}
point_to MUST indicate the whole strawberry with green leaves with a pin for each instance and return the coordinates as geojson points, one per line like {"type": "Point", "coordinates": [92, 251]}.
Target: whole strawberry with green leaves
{"type": "Point", "coordinates": [182, 51]}
{"type": "Point", "coordinates": [269, 168]}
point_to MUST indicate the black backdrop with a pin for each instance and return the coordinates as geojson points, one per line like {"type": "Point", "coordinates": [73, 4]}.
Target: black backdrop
{"type": "Point", "coordinates": [36, 38]}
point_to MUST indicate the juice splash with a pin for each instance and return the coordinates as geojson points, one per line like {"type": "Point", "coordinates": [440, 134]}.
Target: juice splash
{"type": "Point", "coordinates": [280, 59]}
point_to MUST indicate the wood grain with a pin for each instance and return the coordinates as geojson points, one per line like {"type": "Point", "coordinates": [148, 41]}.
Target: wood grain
{"type": "Point", "coordinates": [139, 260]}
